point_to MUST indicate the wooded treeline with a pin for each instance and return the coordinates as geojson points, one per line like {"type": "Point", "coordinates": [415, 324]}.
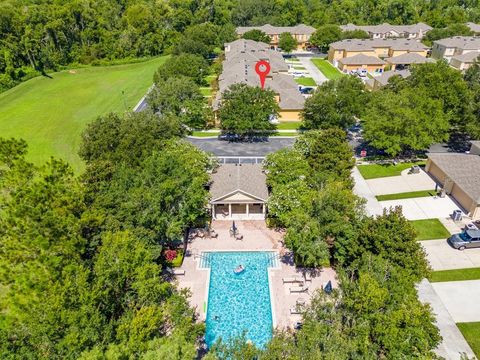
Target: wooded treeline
{"type": "Point", "coordinates": [42, 35]}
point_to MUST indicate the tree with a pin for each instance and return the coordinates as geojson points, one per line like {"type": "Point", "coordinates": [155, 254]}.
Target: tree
{"type": "Point", "coordinates": [287, 42]}
{"type": "Point", "coordinates": [405, 121]}
{"type": "Point", "coordinates": [355, 34]}
{"type": "Point", "coordinates": [189, 65]}
{"type": "Point", "coordinates": [472, 78]}
{"type": "Point", "coordinates": [247, 110]}
{"type": "Point", "coordinates": [128, 138]}
{"type": "Point", "coordinates": [336, 103]}
{"type": "Point", "coordinates": [449, 31]}
{"type": "Point", "coordinates": [325, 35]}
{"type": "Point", "coordinates": [256, 35]}
{"type": "Point", "coordinates": [180, 97]}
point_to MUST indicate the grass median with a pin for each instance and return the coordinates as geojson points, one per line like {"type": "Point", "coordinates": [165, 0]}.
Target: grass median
{"type": "Point", "coordinates": [430, 229]}
{"type": "Point", "coordinates": [406, 195]}
{"type": "Point", "coordinates": [455, 275]}
{"type": "Point", "coordinates": [306, 81]}
{"type": "Point", "coordinates": [327, 69]}
{"type": "Point", "coordinates": [374, 171]}
{"type": "Point", "coordinates": [471, 332]}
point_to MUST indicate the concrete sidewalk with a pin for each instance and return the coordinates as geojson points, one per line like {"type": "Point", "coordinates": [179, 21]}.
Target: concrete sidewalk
{"type": "Point", "coordinates": [315, 73]}
{"type": "Point", "coordinates": [442, 256]}
{"type": "Point", "coordinates": [362, 189]}
{"type": "Point", "coordinates": [461, 298]}
{"type": "Point", "coordinates": [453, 344]}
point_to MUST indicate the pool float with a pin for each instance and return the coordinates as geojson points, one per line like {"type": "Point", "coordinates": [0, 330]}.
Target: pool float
{"type": "Point", "coordinates": [239, 269]}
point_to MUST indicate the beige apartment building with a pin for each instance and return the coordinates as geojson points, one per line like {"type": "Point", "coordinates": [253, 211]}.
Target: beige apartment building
{"type": "Point", "coordinates": [459, 51]}
{"type": "Point", "coordinates": [386, 30]}
{"type": "Point", "coordinates": [300, 32]}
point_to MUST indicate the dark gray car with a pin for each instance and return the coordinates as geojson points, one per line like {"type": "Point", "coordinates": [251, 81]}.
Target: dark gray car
{"type": "Point", "coordinates": [466, 239]}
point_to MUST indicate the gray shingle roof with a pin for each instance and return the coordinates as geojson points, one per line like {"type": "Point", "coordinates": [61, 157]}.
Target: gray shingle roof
{"type": "Point", "coordinates": [371, 44]}
{"type": "Point", "coordinates": [469, 57]}
{"type": "Point", "coordinates": [239, 68]}
{"type": "Point", "coordinates": [361, 59]}
{"type": "Point", "coordinates": [463, 169]}
{"type": "Point", "coordinates": [409, 58]}
{"type": "Point", "coordinates": [460, 42]}
{"type": "Point", "coordinates": [383, 79]}
{"type": "Point", "coordinates": [474, 27]}
{"type": "Point", "coordinates": [247, 178]}
{"type": "Point", "coordinates": [268, 29]}
{"type": "Point", "coordinates": [386, 27]}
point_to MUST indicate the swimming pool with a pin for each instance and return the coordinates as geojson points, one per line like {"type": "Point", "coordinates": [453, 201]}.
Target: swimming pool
{"type": "Point", "coordinates": [239, 302]}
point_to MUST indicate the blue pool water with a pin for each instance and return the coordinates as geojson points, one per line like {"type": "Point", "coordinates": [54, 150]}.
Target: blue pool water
{"type": "Point", "coordinates": [239, 302]}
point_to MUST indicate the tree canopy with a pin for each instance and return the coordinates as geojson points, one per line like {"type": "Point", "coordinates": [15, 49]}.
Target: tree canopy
{"type": "Point", "coordinates": [190, 66]}
{"type": "Point", "coordinates": [287, 42]}
{"type": "Point", "coordinates": [335, 103]}
{"type": "Point", "coordinates": [247, 111]}
{"type": "Point", "coordinates": [256, 35]}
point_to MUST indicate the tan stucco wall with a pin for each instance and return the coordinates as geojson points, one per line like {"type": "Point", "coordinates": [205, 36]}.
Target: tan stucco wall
{"type": "Point", "coordinates": [289, 115]}
{"type": "Point", "coordinates": [364, 52]}
{"type": "Point", "coordinates": [463, 199]}
{"type": "Point", "coordinates": [355, 67]}
{"type": "Point", "coordinates": [435, 171]}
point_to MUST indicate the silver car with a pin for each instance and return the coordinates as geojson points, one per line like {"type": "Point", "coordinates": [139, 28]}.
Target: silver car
{"type": "Point", "coordinates": [466, 239]}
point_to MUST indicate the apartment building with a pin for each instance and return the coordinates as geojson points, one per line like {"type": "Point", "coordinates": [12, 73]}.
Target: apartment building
{"type": "Point", "coordinates": [300, 32]}
{"type": "Point", "coordinates": [474, 27]}
{"type": "Point", "coordinates": [239, 68]}
{"type": "Point", "coordinates": [373, 50]}
{"type": "Point", "coordinates": [459, 51]}
{"type": "Point", "coordinates": [385, 30]}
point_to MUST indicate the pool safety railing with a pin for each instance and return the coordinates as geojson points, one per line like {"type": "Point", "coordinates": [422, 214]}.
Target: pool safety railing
{"type": "Point", "coordinates": [274, 260]}
{"type": "Point", "coordinates": [204, 260]}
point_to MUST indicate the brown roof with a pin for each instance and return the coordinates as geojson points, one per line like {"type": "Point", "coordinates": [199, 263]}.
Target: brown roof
{"type": "Point", "coordinates": [409, 58]}
{"type": "Point", "coordinates": [463, 169]}
{"type": "Point", "coordinates": [232, 178]}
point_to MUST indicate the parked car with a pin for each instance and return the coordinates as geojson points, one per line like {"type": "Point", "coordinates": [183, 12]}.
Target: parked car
{"type": "Point", "coordinates": [466, 239]}
{"type": "Point", "coordinates": [229, 137]}
{"type": "Point", "coordinates": [307, 90]}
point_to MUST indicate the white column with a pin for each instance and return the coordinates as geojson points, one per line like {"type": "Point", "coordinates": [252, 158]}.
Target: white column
{"type": "Point", "coordinates": [230, 210]}
{"type": "Point", "coordinates": [263, 208]}
{"type": "Point", "coordinates": [213, 211]}
{"type": "Point", "coordinates": [248, 210]}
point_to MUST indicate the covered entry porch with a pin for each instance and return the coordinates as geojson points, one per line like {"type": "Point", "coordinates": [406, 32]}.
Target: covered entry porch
{"type": "Point", "coordinates": [238, 211]}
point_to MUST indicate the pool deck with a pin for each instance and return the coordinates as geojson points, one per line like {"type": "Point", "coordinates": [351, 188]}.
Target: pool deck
{"type": "Point", "coordinates": [256, 237]}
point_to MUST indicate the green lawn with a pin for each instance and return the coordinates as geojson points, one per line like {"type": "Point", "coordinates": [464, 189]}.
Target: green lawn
{"type": "Point", "coordinates": [455, 275]}
{"type": "Point", "coordinates": [298, 67]}
{"type": "Point", "coordinates": [206, 91]}
{"type": "Point", "coordinates": [205, 134]}
{"type": "Point", "coordinates": [51, 113]}
{"type": "Point", "coordinates": [289, 125]}
{"type": "Point", "coordinates": [327, 69]}
{"type": "Point", "coordinates": [471, 333]}
{"type": "Point", "coordinates": [406, 195]}
{"type": "Point", "coordinates": [306, 81]}
{"type": "Point", "coordinates": [429, 229]}
{"type": "Point", "coordinates": [293, 133]}
{"type": "Point", "coordinates": [374, 171]}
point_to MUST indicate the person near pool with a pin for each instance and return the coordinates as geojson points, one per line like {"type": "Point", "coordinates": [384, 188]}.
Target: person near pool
{"type": "Point", "coordinates": [239, 269]}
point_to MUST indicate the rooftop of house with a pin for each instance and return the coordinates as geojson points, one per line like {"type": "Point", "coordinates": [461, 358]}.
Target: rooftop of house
{"type": "Point", "coordinates": [268, 29]}
{"type": "Point", "coordinates": [463, 169]}
{"type": "Point", "coordinates": [361, 59]}
{"type": "Point", "coordinates": [469, 57]}
{"type": "Point", "coordinates": [229, 179]}
{"type": "Point", "coordinates": [371, 44]}
{"type": "Point", "coordinates": [460, 42]}
{"type": "Point", "coordinates": [239, 68]}
{"type": "Point", "coordinates": [386, 28]}
{"type": "Point", "coordinates": [383, 79]}
{"type": "Point", "coordinates": [474, 27]}
{"type": "Point", "coordinates": [409, 58]}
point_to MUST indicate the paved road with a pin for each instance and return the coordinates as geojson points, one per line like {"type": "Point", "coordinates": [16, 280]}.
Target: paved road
{"type": "Point", "coordinates": [315, 73]}
{"type": "Point", "coordinates": [253, 149]}
{"type": "Point", "coordinates": [453, 343]}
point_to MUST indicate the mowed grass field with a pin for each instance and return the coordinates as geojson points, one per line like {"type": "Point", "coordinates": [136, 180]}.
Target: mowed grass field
{"type": "Point", "coordinates": [51, 113]}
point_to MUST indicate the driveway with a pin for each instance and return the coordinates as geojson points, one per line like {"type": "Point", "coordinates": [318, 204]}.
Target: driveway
{"type": "Point", "coordinates": [253, 149]}
{"type": "Point", "coordinates": [315, 73]}
{"type": "Point", "coordinates": [461, 298]}
{"type": "Point", "coordinates": [453, 343]}
{"type": "Point", "coordinates": [424, 207]}
{"type": "Point", "coordinates": [442, 256]}
{"type": "Point", "coordinates": [403, 183]}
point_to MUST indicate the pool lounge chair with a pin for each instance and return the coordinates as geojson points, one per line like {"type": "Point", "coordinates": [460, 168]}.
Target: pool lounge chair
{"type": "Point", "coordinates": [175, 271]}
{"type": "Point", "coordinates": [292, 279]}
{"type": "Point", "coordinates": [294, 310]}
{"type": "Point", "coordinates": [300, 288]}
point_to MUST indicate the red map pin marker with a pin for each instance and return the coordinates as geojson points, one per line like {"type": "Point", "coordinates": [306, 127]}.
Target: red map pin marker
{"type": "Point", "coordinates": [262, 68]}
